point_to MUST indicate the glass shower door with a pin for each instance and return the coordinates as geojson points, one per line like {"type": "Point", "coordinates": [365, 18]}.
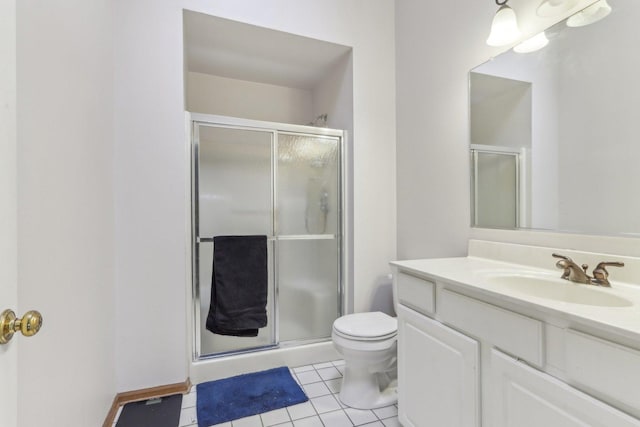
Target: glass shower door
{"type": "Point", "coordinates": [285, 182]}
{"type": "Point", "coordinates": [495, 189]}
{"type": "Point", "coordinates": [308, 231]}
{"type": "Point", "coordinates": [232, 196]}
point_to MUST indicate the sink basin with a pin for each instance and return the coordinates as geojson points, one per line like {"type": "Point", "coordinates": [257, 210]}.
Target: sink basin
{"type": "Point", "coordinates": [556, 289]}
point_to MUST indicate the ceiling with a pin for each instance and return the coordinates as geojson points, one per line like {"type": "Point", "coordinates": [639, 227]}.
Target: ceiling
{"type": "Point", "coordinates": [241, 51]}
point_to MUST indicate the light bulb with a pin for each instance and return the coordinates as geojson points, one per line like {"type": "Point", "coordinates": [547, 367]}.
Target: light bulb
{"type": "Point", "coordinates": [532, 44]}
{"type": "Point", "coordinates": [590, 14]}
{"type": "Point", "coordinates": [504, 28]}
{"type": "Point", "coordinates": [550, 8]}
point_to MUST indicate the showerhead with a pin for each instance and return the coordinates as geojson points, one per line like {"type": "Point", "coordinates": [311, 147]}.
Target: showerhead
{"type": "Point", "coordinates": [320, 121]}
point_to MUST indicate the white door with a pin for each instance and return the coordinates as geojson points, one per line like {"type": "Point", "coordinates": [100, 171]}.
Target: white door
{"type": "Point", "coordinates": [438, 378]}
{"type": "Point", "coordinates": [8, 236]}
{"type": "Point", "coordinates": [526, 397]}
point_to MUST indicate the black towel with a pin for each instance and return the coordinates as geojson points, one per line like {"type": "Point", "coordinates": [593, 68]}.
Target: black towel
{"type": "Point", "coordinates": [238, 286]}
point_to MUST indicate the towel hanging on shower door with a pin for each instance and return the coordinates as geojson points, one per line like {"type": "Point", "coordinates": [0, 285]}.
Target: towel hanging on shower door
{"type": "Point", "coordinates": [238, 286]}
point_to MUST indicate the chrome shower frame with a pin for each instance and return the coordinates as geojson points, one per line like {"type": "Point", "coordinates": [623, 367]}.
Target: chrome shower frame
{"type": "Point", "coordinates": [194, 121]}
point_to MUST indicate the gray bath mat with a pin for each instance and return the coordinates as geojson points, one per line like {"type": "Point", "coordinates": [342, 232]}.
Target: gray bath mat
{"type": "Point", "coordinates": [160, 412]}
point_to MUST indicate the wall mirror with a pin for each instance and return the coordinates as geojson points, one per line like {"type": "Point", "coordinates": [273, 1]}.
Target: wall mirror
{"type": "Point", "coordinates": [555, 133]}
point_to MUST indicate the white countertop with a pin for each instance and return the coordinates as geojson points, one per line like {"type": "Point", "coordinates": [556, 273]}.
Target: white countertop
{"type": "Point", "coordinates": [472, 273]}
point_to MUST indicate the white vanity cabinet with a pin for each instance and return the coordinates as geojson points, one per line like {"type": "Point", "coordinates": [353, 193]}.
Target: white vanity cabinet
{"type": "Point", "coordinates": [526, 397]}
{"type": "Point", "coordinates": [473, 360]}
{"type": "Point", "coordinates": [438, 372]}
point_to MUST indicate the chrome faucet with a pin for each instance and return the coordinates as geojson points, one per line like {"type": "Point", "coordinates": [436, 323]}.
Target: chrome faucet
{"type": "Point", "coordinates": [577, 274]}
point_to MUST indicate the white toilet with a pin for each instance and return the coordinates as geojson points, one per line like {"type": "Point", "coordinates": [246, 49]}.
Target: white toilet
{"type": "Point", "coordinates": [367, 342]}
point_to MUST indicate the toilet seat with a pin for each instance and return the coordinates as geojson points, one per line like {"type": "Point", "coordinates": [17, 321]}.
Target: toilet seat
{"type": "Point", "coordinates": [354, 344]}
{"type": "Point", "coordinates": [375, 326]}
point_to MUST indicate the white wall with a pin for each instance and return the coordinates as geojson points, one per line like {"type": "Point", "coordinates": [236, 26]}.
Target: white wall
{"type": "Point", "coordinates": [150, 164]}
{"type": "Point", "coordinates": [545, 174]}
{"type": "Point", "coordinates": [435, 49]}
{"type": "Point", "coordinates": [503, 116]}
{"type": "Point", "coordinates": [65, 211]}
{"type": "Point", "coordinates": [599, 121]}
{"type": "Point", "coordinates": [433, 58]}
{"type": "Point", "coordinates": [149, 185]}
{"type": "Point", "coordinates": [250, 100]}
{"type": "Point", "coordinates": [334, 96]}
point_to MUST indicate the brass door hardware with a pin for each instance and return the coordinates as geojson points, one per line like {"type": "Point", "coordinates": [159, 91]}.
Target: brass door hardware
{"type": "Point", "coordinates": [29, 325]}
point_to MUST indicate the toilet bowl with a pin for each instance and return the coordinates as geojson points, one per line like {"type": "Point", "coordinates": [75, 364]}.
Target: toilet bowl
{"type": "Point", "coordinates": [367, 342]}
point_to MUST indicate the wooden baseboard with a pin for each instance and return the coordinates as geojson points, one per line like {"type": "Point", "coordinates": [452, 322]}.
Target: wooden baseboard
{"type": "Point", "coordinates": [144, 394]}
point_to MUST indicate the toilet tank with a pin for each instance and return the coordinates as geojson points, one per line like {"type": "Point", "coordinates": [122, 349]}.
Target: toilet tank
{"type": "Point", "coordinates": [384, 296]}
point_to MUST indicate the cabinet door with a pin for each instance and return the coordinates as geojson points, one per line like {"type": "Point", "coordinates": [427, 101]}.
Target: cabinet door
{"type": "Point", "coordinates": [437, 374]}
{"type": "Point", "coordinates": [526, 397]}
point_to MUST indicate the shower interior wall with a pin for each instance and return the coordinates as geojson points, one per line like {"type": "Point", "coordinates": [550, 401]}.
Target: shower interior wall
{"type": "Point", "coordinates": [225, 96]}
{"type": "Point", "coordinates": [332, 95]}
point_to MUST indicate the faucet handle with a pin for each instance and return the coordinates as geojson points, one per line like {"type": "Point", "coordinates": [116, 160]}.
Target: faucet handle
{"type": "Point", "coordinates": [563, 265]}
{"type": "Point", "coordinates": [604, 264]}
{"type": "Point", "coordinates": [600, 273]}
{"type": "Point", "coordinates": [561, 257]}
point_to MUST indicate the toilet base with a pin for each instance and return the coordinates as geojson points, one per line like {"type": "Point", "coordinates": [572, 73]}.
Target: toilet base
{"type": "Point", "coordinates": [362, 389]}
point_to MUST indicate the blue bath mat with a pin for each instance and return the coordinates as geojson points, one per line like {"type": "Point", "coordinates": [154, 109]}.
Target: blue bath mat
{"type": "Point", "coordinates": [244, 395]}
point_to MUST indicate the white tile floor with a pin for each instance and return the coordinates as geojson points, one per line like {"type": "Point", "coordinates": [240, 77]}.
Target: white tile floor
{"type": "Point", "coordinates": [321, 383]}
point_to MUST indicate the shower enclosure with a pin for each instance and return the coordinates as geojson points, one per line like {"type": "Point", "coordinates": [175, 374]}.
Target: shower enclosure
{"type": "Point", "coordinates": [283, 181]}
{"type": "Point", "coordinates": [495, 181]}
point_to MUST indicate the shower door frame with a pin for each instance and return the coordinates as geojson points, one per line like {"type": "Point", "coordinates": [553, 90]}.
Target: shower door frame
{"type": "Point", "coordinates": [518, 156]}
{"type": "Point", "coordinates": [194, 120]}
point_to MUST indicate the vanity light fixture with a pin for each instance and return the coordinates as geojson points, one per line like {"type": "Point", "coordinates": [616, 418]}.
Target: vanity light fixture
{"type": "Point", "coordinates": [590, 14]}
{"type": "Point", "coordinates": [532, 44]}
{"type": "Point", "coordinates": [504, 28]}
{"type": "Point", "coordinates": [549, 8]}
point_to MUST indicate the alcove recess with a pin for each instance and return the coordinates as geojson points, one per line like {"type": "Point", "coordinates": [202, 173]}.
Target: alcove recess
{"type": "Point", "coordinates": [241, 70]}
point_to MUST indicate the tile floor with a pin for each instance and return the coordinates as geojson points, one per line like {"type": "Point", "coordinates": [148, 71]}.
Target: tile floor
{"type": "Point", "coordinates": [321, 382]}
